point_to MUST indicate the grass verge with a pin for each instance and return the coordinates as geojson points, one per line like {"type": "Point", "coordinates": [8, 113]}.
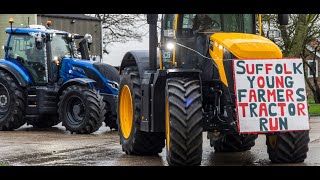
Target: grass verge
{"type": "Point", "coordinates": [314, 109]}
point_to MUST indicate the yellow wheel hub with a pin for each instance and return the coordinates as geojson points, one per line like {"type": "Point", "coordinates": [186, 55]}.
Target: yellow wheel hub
{"type": "Point", "coordinates": [167, 124]}
{"type": "Point", "coordinates": [126, 111]}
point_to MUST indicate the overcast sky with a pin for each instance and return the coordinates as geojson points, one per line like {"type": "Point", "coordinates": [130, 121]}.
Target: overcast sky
{"type": "Point", "coordinates": [118, 50]}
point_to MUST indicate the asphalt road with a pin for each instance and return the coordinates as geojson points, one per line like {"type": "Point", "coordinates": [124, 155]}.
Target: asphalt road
{"type": "Point", "coordinates": [57, 147]}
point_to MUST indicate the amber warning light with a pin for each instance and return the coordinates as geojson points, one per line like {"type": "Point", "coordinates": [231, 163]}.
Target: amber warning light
{"type": "Point", "coordinates": [11, 20]}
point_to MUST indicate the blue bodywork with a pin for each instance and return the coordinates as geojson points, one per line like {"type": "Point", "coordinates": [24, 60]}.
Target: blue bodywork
{"type": "Point", "coordinates": [20, 69]}
{"type": "Point", "coordinates": [77, 68]}
{"type": "Point", "coordinates": [70, 68]}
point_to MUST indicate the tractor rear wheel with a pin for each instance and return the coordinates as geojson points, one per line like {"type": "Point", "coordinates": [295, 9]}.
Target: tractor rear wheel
{"type": "Point", "coordinates": [44, 121]}
{"type": "Point", "coordinates": [12, 103]}
{"type": "Point", "coordinates": [233, 142]}
{"type": "Point", "coordinates": [110, 119]}
{"type": "Point", "coordinates": [289, 147]}
{"type": "Point", "coordinates": [81, 109]}
{"type": "Point", "coordinates": [183, 121]}
{"type": "Point", "coordinates": [133, 140]}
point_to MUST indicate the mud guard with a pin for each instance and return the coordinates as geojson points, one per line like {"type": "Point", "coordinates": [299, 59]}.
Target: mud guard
{"type": "Point", "coordinates": [139, 59]}
{"type": "Point", "coordinates": [82, 81]}
{"type": "Point", "coordinates": [22, 78]}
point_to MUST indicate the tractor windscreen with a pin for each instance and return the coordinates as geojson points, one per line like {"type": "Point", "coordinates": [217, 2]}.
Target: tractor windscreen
{"type": "Point", "coordinates": [60, 47]}
{"type": "Point", "coordinates": [193, 32]}
{"type": "Point", "coordinates": [23, 48]}
{"type": "Point", "coordinates": [211, 23]}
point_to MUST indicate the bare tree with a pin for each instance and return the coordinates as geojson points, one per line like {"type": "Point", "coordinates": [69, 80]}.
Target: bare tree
{"type": "Point", "coordinates": [120, 28]}
{"type": "Point", "coordinates": [302, 29]}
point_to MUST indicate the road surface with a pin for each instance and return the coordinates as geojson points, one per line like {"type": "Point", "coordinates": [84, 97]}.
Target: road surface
{"type": "Point", "coordinates": [57, 147]}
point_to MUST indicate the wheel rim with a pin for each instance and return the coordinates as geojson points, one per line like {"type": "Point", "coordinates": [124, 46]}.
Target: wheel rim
{"type": "Point", "coordinates": [75, 110]}
{"type": "Point", "coordinates": [4, 100]}
{"type": "Point", "coordinates": [167, 124]}
{"type": "Point", "coordinates": [126, 111]}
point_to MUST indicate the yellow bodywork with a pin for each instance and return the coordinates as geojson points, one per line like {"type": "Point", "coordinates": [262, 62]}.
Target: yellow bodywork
{"type": "Point", "coordinates": [243, 46]}
{"type": "Point", "coordinates": [260, 24]}
{"type": "Point", "coordinates": [167, 124]}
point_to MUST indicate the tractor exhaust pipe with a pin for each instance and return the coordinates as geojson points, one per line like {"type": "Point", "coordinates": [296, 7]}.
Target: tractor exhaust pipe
{"type": "Point", "coordinates": [283, 19]}
{"type": "Point", "coordinates": [153, 40]}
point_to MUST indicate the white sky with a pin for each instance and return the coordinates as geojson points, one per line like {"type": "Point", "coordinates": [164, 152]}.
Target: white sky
{"type": "Point", "coordinates": [118, 50]}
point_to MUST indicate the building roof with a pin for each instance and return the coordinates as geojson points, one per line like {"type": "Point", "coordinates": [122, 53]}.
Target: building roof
{"type": "Point", "coordinates": [71, 16]}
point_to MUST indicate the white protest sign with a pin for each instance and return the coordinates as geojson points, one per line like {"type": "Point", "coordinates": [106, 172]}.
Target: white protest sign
{"type": "Point", "coordinates": [270, 95]}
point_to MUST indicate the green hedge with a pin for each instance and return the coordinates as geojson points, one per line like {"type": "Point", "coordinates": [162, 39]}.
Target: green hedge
{"type": "Point", "coordinates": [314, 109]}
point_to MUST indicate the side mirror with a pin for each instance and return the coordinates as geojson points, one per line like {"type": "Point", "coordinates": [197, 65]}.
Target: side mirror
{"type": "Point", "coordinates": [84, 49]}
{"type": "Point", "coordinates": [283, 19]}
{"type": "Point", "coordinates": [152, 19]}
{"type": "Point", "coordinates": [39, 39]}
{"type": "Point", "coordinates": [89, 39]}
{"type": "Point", "coordinates": [274, 34]}
{"type": "Point", "coordinates": [39, 45]}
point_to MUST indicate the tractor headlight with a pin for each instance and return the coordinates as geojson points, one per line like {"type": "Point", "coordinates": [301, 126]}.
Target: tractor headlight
{"type": "Point", "coordinates": [170, 45]}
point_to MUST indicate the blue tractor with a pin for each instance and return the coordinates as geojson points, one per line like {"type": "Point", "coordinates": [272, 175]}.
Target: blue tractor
{"type": "Point", "coordinates": [45, 79]}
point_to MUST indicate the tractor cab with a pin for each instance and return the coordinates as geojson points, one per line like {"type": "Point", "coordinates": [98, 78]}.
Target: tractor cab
{"type": "Point", "coordinates": [52, 76]}
{"type": "Point", "coordinates": [39, 51]}
{"type": "Point", "coordinates": [192, 34]}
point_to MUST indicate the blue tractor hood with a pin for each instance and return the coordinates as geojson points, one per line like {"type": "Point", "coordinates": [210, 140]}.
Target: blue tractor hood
{"type": "Point", "coordinates": [79, 68]}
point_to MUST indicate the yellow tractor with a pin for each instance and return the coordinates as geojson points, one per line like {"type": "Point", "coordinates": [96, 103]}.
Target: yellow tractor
{"type": "Point", "coordinates": [171, 96]}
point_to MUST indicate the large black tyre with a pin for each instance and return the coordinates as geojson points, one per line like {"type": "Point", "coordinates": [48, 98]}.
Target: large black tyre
{"type": "Point", "coordinates": [183, 121]}
{"type": "Point", "coordinates": [108, 71]}
{"type": "Point", "coordinates": [133, 140]}
{"type": "Point", "coordinates": [44, 121]}
{"type": "Point", "coordinates": [12, 103]}
{"type": "Point", "coordinates": [111, 73]}
{"type": "Point", "coordinates": [233, 142]}
{"type": "Point", "coordinates": [81, 109]}
{"type": "Point", "coordinates": [290, 147]}
{"type": "Point", "coordinates": [110, 119]}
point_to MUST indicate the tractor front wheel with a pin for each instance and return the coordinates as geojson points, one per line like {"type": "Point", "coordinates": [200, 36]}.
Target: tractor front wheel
{"type": "Point", "coordinates": [289, 147]}
{"type": "Point", "coordinates": [110, 119]}
{"type": "Point", "coordinates": [183, 121]}
{"type": "Point", "coordinates": [81, 109]}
